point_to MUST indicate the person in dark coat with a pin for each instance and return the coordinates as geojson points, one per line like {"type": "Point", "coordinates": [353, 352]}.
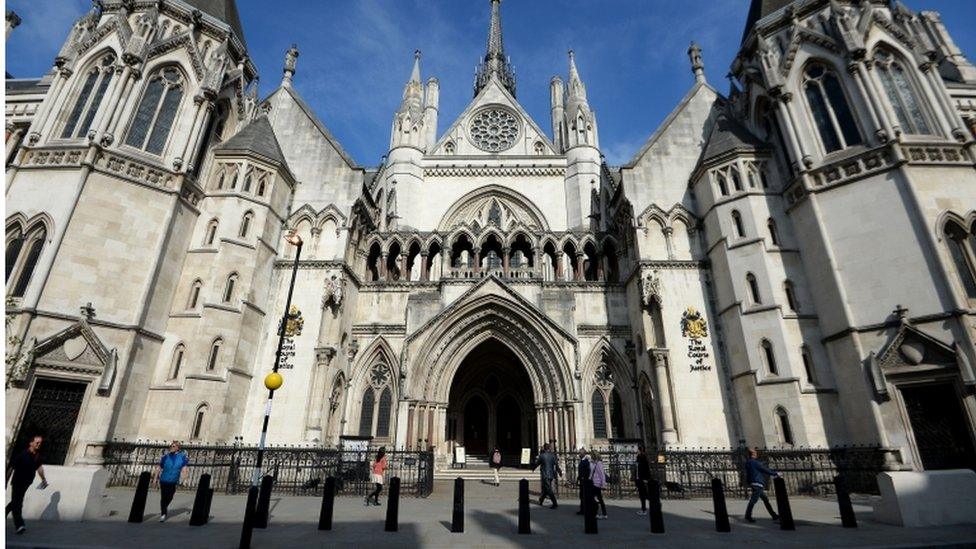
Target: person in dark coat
{"type": "Point", "coordinates": [24, 465]}
{"type": "Point", "coordinates": [643, 477]}
{"type": "Point", "coordinates": [582, 473]}
{"type": "Point", "coordinates": [549, 470]}
{"type": "Point", "coordinates": [496, 463]}
{"type": "Point", "coordinates": [756, 474]}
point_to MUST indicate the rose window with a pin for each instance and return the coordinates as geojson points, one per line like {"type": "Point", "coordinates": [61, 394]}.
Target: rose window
{"type": "Point", "coordinates": [494, 129]}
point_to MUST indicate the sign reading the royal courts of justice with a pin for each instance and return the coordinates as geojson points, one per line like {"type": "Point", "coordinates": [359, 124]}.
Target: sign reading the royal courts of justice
{"type": "Point", "coordinates": [293, 328]}
{"type": "Point", "coordinates": [695, 328]}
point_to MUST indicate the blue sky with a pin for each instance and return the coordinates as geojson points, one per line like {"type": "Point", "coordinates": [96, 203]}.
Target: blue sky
{"type": "Point", "coordinates": [356, 55]}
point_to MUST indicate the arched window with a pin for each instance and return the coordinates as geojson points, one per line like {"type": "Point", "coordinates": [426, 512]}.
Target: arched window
{"type": "Point", "coordinates": [214, 354]}
{"type": "Point", "coordinates": [248, 179]}
{"type": "Point", "coordinates": [753, 289]}
{"type": "Point", "coordinates": [28, 252]}
{"type": "Point", "coordinates": [791, 296]}
{"type": "Point", "coordinates": [15, 242]}
{"type": "Point", "coordinates": [723, 186]}
{"type": "Point", "coordinates": [599, 415]}
{"type": "Point", "coordinates": [785, 431]}
{"type": "Point", "coordinates": [211, 233]}
{"type": "Point", "coordinates": [773, 233]}
{"type": "Point", "coordinates": [737, 224]}
{"type": "Point", "coordinates": [157, 111]}
{"type": "Point", "coordinates": [263, 185]}
{"type": "Point", "coordinates": [383, 413]}
{"type": "Point", "coordinates": [221, 177]}
{"type": "Point", "coordinates": [808, 368]}
{"type": "Point", "coordinates": [366, 416]}
{"type": "Point", "coordinates": [194, 294]}
{"type": "Point", "coordinates": [901, 93]}
{"type": "Point", "coordinates": [178, 355]}
{"type": "Point", "coordinates": [198, 421]}
{"type": "Point", "coordinates": [90, 97]}
{"type": "Point", "coordinates": [769, 357]}
{"type": "Point", "coordinates": [963, 255]}
{"type": "Point", "coordinates": [246, 224]}
{"type": "Point", "coordinates": [736, 179]}
{"type": "Point", "coordinates": [828, 104]}
{"type": "Point", "coordinates": [229, 288]}
{"type": "Point", "coordinates": [376, 420]}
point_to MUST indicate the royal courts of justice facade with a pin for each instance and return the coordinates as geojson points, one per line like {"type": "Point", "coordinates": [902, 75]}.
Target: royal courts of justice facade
{"type": "Point", "coordinates": [790, 263]}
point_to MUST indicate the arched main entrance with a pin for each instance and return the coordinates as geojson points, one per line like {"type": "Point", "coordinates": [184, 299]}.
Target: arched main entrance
{"type": "Point", "coordinates": [491, 403]}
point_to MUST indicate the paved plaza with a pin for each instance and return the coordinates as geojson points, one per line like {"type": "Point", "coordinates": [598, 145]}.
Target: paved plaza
{"type": "Point", "coordinates": [490, 521]}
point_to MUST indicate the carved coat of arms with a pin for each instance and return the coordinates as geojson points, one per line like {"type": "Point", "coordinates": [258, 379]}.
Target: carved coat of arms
{"type": "Point", "coordinates": [295, 322]}
{"type": "Point", "coordinates": [693, 325]}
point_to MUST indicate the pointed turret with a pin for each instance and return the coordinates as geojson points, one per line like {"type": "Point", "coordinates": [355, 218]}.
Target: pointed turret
{"type": "Point", "coordinates": [408, 123]}
{"type": "Point", "coordinates": [495, 63]}
{"type": "Point", "coordinates": [580, 119]}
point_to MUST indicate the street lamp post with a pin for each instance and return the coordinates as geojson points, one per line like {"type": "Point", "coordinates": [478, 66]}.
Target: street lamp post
{"type": "Point", "coordinates": [272, 382]}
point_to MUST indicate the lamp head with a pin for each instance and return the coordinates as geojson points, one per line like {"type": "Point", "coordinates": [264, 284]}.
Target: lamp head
{"type": "Point", "coordinates": [293, 238]}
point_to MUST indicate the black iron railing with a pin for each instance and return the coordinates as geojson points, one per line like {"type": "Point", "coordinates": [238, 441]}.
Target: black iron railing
{"type": "Point", "coordinates": [689, 473]}
{"type": "Point", "coordinates": [298, 471]}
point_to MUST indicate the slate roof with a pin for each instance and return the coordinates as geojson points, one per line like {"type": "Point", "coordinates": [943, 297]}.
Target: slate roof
{"type": "Point", "coordinates": [257, 137]}
{"type": "Point", "coordinates": [726, 136]}
{"type": "Point", "coordinates": [224, 10]}
{"type": "Point", "coordinates": [24, 86]}
{"type": "Point", "coordinates": [761, 8]}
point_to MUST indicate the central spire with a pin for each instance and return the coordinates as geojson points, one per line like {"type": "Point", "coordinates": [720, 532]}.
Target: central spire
{"type": "Point", "coordinates": [495, 62]}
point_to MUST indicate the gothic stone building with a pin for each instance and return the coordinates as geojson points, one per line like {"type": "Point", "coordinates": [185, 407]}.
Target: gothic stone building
{"type": "Point", "coordinates": [792, 263]}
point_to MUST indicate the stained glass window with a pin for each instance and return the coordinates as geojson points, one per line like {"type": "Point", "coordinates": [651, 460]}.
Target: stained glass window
{"type": "Point", "coordinates": [89, 98]}
{"type": "Point", "coordinates": [828, 105]}
{"type": "Point", "coordinates": [901, 94]}
{"type": "Point", "coordinates": [157, 111]}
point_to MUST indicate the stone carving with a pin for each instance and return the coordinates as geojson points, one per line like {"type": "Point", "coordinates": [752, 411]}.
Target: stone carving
{"type": "Point", "coordinates": [693, 324]}
{"type": "Point", "coordinates": [603, 377]}
{"type": "Point", "coordinates": [650, 286]}
{"type": "Point", "coordinates": [333, 288]}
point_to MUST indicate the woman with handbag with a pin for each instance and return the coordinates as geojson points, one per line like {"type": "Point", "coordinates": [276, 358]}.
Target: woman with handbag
{"type": "Point", "coordinates": [598, 474]}
{"type": "Point", "coordinates": [376, 476]}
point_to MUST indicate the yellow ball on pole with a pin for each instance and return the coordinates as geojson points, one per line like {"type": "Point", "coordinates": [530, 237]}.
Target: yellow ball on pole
{"type": "Point", "coordinates": [273, 381]}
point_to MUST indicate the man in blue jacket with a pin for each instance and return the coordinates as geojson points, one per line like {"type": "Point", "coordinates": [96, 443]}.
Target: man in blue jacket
{"type": "Point", "coordinates": [171, 468]}
{"type": "Point", "coordinates": [756, 474]}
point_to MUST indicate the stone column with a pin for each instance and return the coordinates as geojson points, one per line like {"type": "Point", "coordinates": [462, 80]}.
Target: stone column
{"type": "Point", "coordinates": [560, 259]}
{"type": "Point", "coordinates": [669, 433]}
{"type": "Point", "coordinates": [477, 260]}
{"type": "Point", "coordinates": [424, 271]}
{"type": "Point", "coordinates": [876, 88]}
{"type": "Point", "coordinates": [13, 140]}
{"type": "Point", "coordinates": [937, 92]}
{"type": "Point", "coordinates": [404, 273]}
{"type": "Point", "coordinates": [855, 69]}
{"type": "Point", "coordinates": [316, 237]}
{"type": "Point", "coordinates": [505, 261]}
{"type": "Point", "coordinates": [316, 395]}
{"type": "Point", "coordinates": [668, 241]}
{"type": "Point", "coordinates": [384, 275]}
{"type": "Point", "coordinates": [578, 275]}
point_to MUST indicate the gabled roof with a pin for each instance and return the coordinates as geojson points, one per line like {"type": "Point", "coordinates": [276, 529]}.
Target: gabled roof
{"type": "Point", "coordinates": [223, 10]}
{"type": "Point", "coordinates": [257, 137]}
{"type": "Point", "coordinates": [667, 121]}
{"type": "Point", "coordinates": [728, 135]}
{"type": "Point", "coordinates": [480, 100]}
{"type": "Point", "coordinates": [760, 9]}
{"type": "Point", "coordinates": [317, 123]}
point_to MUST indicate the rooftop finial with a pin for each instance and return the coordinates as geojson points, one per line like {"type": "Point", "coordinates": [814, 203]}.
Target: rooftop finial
{"type": "Point", "coordinates": [415, 75]}
{"type": "Point", "coordinates": [495, 61]}
{"type": "Point", "coordinates": [697, 65]}
{"type": "Point", "coordinates": [291, 59]}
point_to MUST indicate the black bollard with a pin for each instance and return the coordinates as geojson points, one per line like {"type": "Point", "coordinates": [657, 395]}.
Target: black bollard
{"type": "Point", "coordinates": [783, 505]}
{"type": "Point", "coordinates": [393, 506]}
{"type": "Point", "coordinates": [264, 502]}
{"type": "Point", "coordinates": [328, 504]}
{"type": "Point", "coordinates": [248, 528]}
{"type": "Point", "coordinates": [589, 508]}
{"type": "Point", "coordinates": [524, 525]}
{"type": "Point", "coordinates": [654, 506]}
{"type": "Point", "coordinates": [457, 518]}
{"type": "Point", "coordinates": [139, 500]}
{"type": "Point", "coordinates": [721, 512]}
{"type": "Point", "coordinates": [198, 517]}
{"type": "Point", "coordinates": [847, 517]}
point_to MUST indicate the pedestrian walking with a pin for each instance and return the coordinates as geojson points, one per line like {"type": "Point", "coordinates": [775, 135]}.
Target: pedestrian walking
{"type": "Point", "coordinates": [170, 472]}
{"type": "Point", "coordinates": [756, 474]}
{"type": "Point", "coordinates": [496, 464]}
{"type": "Point", "coordinates": [21, 473]}
{"type": "Point", "coordinates": [549, 470]}
{"type": "Point", "coordinates": [376, 476]}
{"type": "Point", "coordinates": [643, 478]}
{"type": "Point", "coordinates": [598, 474]}
{"type": "Point", "coordinates": [582, 473]}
